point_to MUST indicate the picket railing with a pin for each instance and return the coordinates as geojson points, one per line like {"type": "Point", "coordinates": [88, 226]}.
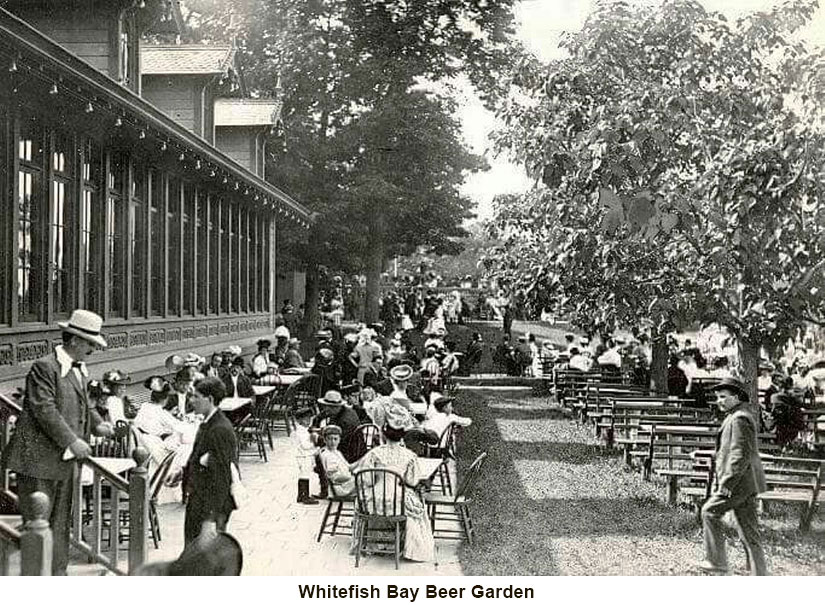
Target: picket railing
{"type": "Point", "coordinates": [108, 505]}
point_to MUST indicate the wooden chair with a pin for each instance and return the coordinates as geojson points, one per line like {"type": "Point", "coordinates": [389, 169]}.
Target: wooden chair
{"type": "Point", "coordinates": [364, 438]}
{"type": "Point", "coordinates": [460, 503]}
{"type": "Point", "coordinates": [380, 504]}
{"type": "Point", "coordinates": [155, 485]}
{"type": "Point", "coordinates": [345, 505]}
{"type": "Point", "coordinates": [250, 430]}
{"type": "Point", "coordinates": [302, 393]}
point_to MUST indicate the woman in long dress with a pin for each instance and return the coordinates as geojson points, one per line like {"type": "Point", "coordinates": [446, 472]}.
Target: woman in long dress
{"type": "Point", "coordinates": [418, 542]}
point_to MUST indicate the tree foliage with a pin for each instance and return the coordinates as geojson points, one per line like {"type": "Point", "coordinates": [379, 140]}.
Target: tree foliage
{"type": "Point", "coordinates": [369, 140]}
{"type": "Point", "coordinates": [677, 157]}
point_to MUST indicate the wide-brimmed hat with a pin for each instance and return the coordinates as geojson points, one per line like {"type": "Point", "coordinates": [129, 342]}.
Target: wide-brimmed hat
{"type": "Point", "coordinates": [263, 343]}
{"type": "Point", "coordinates": [323, 334]}
{"type": "Point", "coordinates": [238, 361]}
{"type": "Point", "coordinates": [174, 363]}
{"type": "Point", "coordinates": [332, 398]}
{"type": "Point", "coordinates": [116, 377]}
{"type": "Point", "coordinates": [86, 325]}
{"type": "Point", "coordinates": [185, 374]}
{"type": "Point", "coordinates": [281, 332]}
{"type": "Point", "coordinates": [732, 384]}
{"type": "Point", "coordinates": [398, 417]}
{"type": "Point", "coordinates": [351, 389]}
{"type": "Point", "coordinates": [401, 372]}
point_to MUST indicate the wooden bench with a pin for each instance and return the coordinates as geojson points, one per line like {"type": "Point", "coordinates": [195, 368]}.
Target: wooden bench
{"type": "Point", "coordinates": [570, 384]}
{"type": "Point", "coordinates": [814, 419]}
{"type": "Point", "coordinates": [624, 417]}
{"type": "Point", "coordinates": [789, 479]}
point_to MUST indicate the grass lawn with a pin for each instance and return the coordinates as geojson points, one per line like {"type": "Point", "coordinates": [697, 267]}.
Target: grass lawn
{"type": "Point", "coordinates": [551, 502]}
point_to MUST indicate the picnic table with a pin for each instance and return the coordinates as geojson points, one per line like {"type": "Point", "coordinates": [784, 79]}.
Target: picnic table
{"type": "Point", "coordinates": [263, 389]}
{"type": "Point", "coordinates": [115, 466]}
{"type": "Point", "coordinates": [418, 409]}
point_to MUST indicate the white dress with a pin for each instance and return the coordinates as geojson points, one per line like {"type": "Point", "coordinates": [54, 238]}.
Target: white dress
{"type": "Point", "coordinates": [418, 542]}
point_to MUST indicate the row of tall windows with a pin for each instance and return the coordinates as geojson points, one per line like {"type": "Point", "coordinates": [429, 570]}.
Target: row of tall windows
{"type": "Point", "coordinates": [98, 228]}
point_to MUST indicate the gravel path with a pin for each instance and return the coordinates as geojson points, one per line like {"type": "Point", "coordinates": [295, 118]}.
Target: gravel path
{"type": "Point", "coordinates": [552, 502]}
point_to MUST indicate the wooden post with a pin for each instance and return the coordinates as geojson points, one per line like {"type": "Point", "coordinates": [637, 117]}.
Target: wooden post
{"type": "Point", "coordinates": [36, 539]}
{"type": "Point", "coordinates": [138, 510]}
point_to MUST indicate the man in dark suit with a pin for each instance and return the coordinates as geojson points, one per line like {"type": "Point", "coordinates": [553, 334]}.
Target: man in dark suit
{"type": "Point", "coordinates": [739, 478]}
{"type": "Point", "coordinates": [208, 472]}
{"type": "Point", "coordinates": [54, 427]}
{"type": "Point", "coordinates": [236, 382]}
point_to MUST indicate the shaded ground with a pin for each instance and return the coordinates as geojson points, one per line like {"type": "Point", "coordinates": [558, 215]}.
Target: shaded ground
{"type": "Point", "coordinates": [551, 502]}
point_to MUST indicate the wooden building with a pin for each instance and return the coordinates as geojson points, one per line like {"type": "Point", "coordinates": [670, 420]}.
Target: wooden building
{"type": "Point", "coordinates": [111, 203]}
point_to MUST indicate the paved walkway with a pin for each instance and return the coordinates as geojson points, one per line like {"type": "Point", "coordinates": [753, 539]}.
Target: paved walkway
{"type": "Point", "coordinates": [278, 535]}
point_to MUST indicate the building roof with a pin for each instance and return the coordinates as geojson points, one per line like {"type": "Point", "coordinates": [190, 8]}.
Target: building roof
{"type": "Point", "coordinates": [247, 112]}
{"type": "Point", "coordinates": [191, 59]}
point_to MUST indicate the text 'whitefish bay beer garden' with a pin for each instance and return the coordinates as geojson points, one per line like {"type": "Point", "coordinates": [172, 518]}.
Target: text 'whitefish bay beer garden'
{"type": "Point", "coordinates": [430, 591]}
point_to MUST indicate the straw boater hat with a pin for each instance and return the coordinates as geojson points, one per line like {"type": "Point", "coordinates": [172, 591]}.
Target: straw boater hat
{"type": "Point", "coordinates": [401, 372]}
{"type": "Point", "coordinates": [86, 325]}
{"type": "Point", "coordinates": [332, 398]}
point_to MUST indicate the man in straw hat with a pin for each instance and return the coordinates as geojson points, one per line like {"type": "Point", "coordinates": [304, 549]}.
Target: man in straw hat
{"type": "Point", "coordinates": [739, 478]}
{"type": "Point", "coordinates": [55, 426]}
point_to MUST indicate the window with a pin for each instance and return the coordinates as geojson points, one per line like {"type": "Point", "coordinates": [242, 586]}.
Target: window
{"type": "Point", "coordinates": [244, 235]}
{"type": "Point", "coordinates": [158, 247]}
{"type": "Point", "coordinates": [31, 237]}
{"type": "Point", "coordinates": [173, 227]}
{"type": "Point", "coordinates": [92, 227]}
{"type": "Point", "coordinates": [254, 255]}
{"type": "Point", "coordinates": [214, 254]}
{"type": "Point", "coordinates": [202, 235]}
{"type": "Point", "coordinates": [115, 232]}
{"type": "Point", "coordinates": [266, 273]}
{"type": "Point", "coordinates": [226, 272]}
{"type": "Point", "coordinates": [124, 54]}
{"type": "Point", "coordinates": [63, 230]}
{"type": "Point", "coordinates": [137, 239]}
{"type": "Point", "coordinates": [189, 258]}
{"type": "Point", "coordinates": [235, 236]}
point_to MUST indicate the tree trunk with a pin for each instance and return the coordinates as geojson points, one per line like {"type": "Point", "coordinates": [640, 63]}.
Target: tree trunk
{"type": "Point", "coordinates": [749, 368]}
{"type": "Point", "coordinates": [312, 316]}
{"type": "Point", "coordinates": [374, 267]}
{"type": "Point", "coordinates": [658, 363]}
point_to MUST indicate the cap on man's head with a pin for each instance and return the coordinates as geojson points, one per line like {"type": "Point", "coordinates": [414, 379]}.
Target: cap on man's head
{"type": "Point", "coordinates": [263, 343]}
{"type": "Point", "coordinates": [238, 361]}
{"type": "Point", "coordinates": [734, 385]}
{"type": "Point", "coordinates": [331, 429]}
{"type": "Point", "coordinates": [331, 398]}
{"type": "Point", "coordinates": [281, 332]}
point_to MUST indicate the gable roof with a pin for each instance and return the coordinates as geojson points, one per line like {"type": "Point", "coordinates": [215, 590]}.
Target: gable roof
{"type": "Point", "coordinates": [247, 112]}
{"type": "Point", "coordinates": [191, 59]}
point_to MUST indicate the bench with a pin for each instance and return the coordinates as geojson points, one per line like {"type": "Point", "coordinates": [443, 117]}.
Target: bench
{"type": "Point", "coordinates": [623, 418]}
{"type": "Point", "coordinates": [789, 479]}
{"type": "Point", "coordinates": [569, 384]}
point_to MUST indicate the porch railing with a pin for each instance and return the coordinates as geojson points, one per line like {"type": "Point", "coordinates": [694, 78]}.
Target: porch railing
{"type": "Point", "coordinates": [33, 543]}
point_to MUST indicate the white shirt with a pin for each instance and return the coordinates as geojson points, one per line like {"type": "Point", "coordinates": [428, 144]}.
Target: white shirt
{"type": "Point", "coordinates": [181, 397]}
{"type": "Point", "coordinates": [259, 364]}
{"type": "Point", "coordinates": [579, 362]}
{"type": "Point", "coordinates": [610, 357]}
{"type": "Point", "coordinates": [116, 409]}
{"type": "Point", "coordinates": [439, 422]}
{"type": "Point", "coordinates": [65, 360]}
{"type": "Point", "coordinates": [154, 420]}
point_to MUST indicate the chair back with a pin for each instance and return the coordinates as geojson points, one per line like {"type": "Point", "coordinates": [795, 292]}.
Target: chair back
{"type": "Point", "coordinates": [304, 392]}
{"type": "Point", "coordinates": [470, 479]}
{"type": "Point", "coordinates": [380, 492]}
{"type": "Point", "coordinates": [159, 476]}
{"type": "Point", "coordinates": [363, 439]}
{"type": "Point", "coordinates": [448, 441]}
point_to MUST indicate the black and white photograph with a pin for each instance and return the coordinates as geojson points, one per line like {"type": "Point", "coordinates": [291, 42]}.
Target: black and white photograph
{"type": "Point", "coordinates": [422, 289]}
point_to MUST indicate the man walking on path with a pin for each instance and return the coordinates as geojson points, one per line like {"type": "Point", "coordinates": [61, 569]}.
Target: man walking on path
{"type": "Point", "coordinates": [738, 479]}
{"type": "Point", "coordinates": [55, 425]}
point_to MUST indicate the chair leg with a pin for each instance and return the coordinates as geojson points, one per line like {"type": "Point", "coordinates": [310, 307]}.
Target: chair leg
{"type": "Point", "coordinates": [466, 523]}
{"type": "Point", "coordinates": [337, 516]}
{"type": "Point", "coordinates": [432, 512]}
{"type": "Point", "coordinates": [324, 521]}
{"type": "Point", "coordinates": [362, 526]}
{"type": "Point", "coordinates": [153, 525]}
{"type": "Point", "coordinates": [397, 544]}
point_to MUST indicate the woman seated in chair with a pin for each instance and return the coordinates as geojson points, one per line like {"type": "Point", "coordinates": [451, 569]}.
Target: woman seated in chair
{"type": "Point", "coordinates": [336, 467]}
{"type": "Point", "coordinates": [393, 455]}
{"type": "Point", "coordinates": [159, 431]}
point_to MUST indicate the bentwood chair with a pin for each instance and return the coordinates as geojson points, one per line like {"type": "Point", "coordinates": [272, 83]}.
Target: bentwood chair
{"type": "Point", "coordinates": [460, 505]}
{"type": "Point", "coordinates": [379, 512]}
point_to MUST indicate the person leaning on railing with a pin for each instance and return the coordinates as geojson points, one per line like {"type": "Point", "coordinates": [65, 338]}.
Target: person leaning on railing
{"type": "Point", "coordinates": [55, 426]}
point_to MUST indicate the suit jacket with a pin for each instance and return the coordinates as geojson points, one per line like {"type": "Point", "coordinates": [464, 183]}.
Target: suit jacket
{"type": "Point", "coordinates": [739, 470]}
{"type": "Point", "coordinates": [55, 413]}
{"type": "Point", "coordinates": [209, 485]}
{"type": "Point", "coordinates": [244, 386]}
{"type": "Point", "coordinates": [348, 420]}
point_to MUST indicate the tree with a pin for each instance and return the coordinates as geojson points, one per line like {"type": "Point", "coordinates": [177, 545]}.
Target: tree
{"type": "Point", "coordinates": [351, 75]}
{"type": "Point", "coordinates": [680, 152]}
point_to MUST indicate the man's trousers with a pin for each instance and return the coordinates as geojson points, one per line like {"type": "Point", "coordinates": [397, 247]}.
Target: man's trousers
{"type": "Point", "coordinates": [744, 509]}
